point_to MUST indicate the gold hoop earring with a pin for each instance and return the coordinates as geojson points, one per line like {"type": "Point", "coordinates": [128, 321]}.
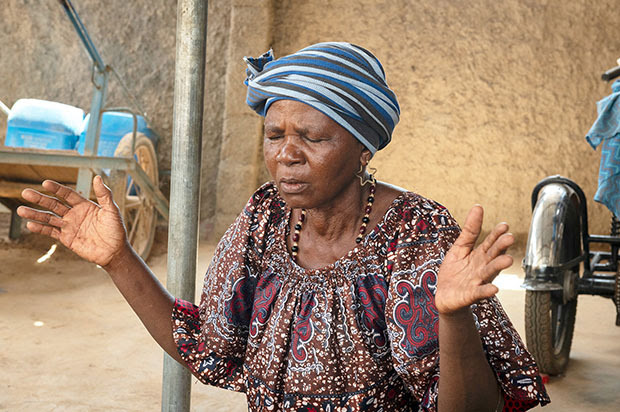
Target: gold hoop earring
{"type": "Point", "coordinates": [362, 176]}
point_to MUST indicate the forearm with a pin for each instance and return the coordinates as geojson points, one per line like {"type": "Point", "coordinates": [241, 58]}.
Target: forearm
{"type": "Point", "coordinates": [146, 296]}
{"type": "Point", "coordinates": [466, 381]}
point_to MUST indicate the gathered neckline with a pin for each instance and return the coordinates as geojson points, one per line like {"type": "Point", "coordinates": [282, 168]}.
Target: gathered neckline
{"type": "Point", "coordinates": [284, 227]}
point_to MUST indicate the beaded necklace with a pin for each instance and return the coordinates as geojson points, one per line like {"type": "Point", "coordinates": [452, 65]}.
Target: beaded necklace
{"type": "Point", "coordinates": [302, 217]}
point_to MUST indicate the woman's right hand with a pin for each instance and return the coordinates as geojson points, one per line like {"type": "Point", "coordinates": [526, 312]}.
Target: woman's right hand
{"type": "Point", "coordinates": [93, 231]}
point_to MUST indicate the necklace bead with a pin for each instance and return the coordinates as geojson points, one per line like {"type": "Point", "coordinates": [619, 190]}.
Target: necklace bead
{"type": "Point", "coordinates": [365, 219]}
{"type": "Point", "coordinates": [297, 227]}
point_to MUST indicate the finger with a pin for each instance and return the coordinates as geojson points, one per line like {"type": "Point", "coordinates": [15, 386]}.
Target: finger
{"type": "Point", "coordinates": [63, 192]}
{"type": "Point", "coordinates": [40, 216]}
{"type": "Point", "coordinates": [471, 230]}
{"type": "Point", "coordinates": [492, 269]}
{"type": "Point", "coordinates": [36, 227]}
{"type": "Point", "coordinates": [501, 245]}
{"type": "Point", "coordinates": [45, 201]}
{"type": "Point", "coordinates": [485, 291]}
{"type": "Point", "coordinates": [103, 193]}
{"type": "Point", "coordinates": [497, 231]}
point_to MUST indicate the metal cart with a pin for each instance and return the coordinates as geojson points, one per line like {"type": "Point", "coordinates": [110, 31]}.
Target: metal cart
{"type": "Point", "coordinates": [36, 149]}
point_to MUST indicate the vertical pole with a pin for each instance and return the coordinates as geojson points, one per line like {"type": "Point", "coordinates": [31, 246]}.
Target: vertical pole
{"type": "Point", "coordinates": [185, 182]}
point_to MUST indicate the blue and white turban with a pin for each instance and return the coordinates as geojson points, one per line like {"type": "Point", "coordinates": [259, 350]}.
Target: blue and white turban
{"type": "Point", "coordinates": [343, 81]}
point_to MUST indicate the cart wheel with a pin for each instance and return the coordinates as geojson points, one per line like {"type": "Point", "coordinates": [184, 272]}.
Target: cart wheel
{"type": "Point", "coordinates": [139, 214]}
{"type": "Point", "coordinates": [549, 325]}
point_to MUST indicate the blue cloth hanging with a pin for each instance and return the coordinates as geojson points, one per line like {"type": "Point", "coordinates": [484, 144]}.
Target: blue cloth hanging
{"type": "Point", "coordinates": [606, 132]}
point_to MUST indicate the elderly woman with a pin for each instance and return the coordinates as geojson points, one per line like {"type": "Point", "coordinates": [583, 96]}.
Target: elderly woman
{"type": "Point", "coordinates": [331, 291]}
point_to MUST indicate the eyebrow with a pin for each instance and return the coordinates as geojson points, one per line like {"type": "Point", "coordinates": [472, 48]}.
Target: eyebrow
{"type": "Point", "coordinates": [272, 129]}
{"type": "Point", "coordinates": [302, 131]}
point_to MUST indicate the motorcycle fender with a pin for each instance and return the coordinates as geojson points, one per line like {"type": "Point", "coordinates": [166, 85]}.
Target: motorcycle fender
{"type": "Point", "coordinates": [557, 207]}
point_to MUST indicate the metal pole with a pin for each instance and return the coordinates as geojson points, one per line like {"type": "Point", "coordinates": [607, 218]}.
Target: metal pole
{"type": "Point", "coordinates": [80, 29]}
{"type": "Point", "coordinates": [185, 182]}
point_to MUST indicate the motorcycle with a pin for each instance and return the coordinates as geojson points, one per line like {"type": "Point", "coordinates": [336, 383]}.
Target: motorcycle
{"type": "Point", "coordinates": [563, 260]}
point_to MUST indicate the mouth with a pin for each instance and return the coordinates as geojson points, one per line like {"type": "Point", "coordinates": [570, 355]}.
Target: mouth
{"type": "Point", "coordinates": [292, 186]}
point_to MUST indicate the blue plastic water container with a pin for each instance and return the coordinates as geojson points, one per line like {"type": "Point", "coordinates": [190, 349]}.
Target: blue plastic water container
{"type": "Point", "coordinates": [41, 124]}
{"type": "Point", "coordinates": [114, 125]}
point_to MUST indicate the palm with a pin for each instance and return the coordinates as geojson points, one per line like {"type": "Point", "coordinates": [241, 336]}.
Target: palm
{"type": "Point", "coordinates": [466, 273]}
{"type": "Point", "coordinates": [94, 232]}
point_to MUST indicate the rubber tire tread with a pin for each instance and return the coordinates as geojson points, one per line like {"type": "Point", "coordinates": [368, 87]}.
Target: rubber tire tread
{"type": "Point", "coordinates": [538, 332]}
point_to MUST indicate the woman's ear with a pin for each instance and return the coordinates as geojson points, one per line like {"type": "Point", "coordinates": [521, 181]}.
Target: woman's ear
{"type": "Point", "coordinates": [365, 156]}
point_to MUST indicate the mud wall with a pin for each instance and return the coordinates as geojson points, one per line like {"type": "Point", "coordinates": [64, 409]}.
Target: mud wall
{"type": "Point", "coordinates": [494, 95]}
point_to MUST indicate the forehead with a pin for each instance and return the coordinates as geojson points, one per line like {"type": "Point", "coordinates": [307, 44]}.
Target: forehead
{"type": "Point", "coordinates": [285, 113]}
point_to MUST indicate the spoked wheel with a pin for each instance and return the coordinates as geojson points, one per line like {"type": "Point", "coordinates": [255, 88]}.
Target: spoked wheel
{"type": "Point", "coordinates": [139, 214]}
{"type": "Point", "coordinates": [549, 326]}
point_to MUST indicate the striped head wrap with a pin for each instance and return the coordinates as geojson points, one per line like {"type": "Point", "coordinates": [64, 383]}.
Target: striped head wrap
{"type": "Point", "coordinates": [343, 81]}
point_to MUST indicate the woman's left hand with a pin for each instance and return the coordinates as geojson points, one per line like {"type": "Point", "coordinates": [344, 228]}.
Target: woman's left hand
{"type": "Point", "coordinates": [466, 273]}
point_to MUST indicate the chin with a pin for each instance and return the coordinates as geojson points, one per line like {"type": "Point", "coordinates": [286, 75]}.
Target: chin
{"type": "Point", "coordinates": [294, 201]}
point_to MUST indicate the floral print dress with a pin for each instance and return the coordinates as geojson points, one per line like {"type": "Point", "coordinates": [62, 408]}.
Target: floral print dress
{"type": "Point", "coordinates": [358, 335]}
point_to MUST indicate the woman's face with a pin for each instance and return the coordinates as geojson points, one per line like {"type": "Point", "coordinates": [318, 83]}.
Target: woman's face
{"type": "Point", "coordinates": [311, 158]}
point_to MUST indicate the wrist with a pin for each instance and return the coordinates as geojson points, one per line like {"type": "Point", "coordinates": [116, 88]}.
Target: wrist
{"type": "Point", "coordinates": [119, 259]}
{"type": "Point", "coordinates": [457, 316]}
{"type": "Point", "coordinates": [458, 324]}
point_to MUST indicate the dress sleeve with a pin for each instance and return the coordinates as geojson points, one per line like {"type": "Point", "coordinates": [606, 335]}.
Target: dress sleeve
{"type": "Point", "coordinates": [211, 338]}
{"type": "Point", "coordinates": [413, 260]}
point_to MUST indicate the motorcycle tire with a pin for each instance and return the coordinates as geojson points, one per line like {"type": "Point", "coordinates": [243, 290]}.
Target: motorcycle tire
{"type": "Point", "coordinates": [549, 326]}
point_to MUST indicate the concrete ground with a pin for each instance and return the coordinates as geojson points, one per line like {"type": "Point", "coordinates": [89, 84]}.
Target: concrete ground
{"type": "Point", "coordinates": [69, 342]}
{"type": "Point", "coordinates": [592, 379]}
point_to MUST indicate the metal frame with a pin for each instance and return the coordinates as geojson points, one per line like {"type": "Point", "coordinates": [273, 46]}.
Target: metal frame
{"type": "Point", "coordinates": [100, 78]}
{"type": "Point", "coordinates": [91, 163]}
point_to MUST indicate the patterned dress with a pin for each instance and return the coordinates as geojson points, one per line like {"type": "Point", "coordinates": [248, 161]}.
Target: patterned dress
{"type": "Point", "coordinates": [358, 335]}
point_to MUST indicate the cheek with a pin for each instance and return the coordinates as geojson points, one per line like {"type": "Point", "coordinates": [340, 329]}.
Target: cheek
{"type": "Point", "coordinates": [334, 170]}
{"type": "Point", "coordinates": [269, 156]}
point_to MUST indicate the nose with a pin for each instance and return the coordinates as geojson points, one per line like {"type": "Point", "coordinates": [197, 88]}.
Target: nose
{"type": "Point", "coordinates": [289, 152]}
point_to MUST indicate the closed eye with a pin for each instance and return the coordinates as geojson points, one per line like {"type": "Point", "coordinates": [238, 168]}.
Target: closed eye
{"type": "Point", "coordinates": [316, 140]}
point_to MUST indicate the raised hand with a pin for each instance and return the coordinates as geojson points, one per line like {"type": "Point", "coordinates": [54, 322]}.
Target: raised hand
{"type": "Point", "coordinates": [93, 231]}
{"type": "Point", "coordinates": [466, 273]}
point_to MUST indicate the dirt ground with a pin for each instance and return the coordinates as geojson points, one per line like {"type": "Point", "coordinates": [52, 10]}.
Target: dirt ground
{"type": "Point", "coordinates": [69, 342]}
